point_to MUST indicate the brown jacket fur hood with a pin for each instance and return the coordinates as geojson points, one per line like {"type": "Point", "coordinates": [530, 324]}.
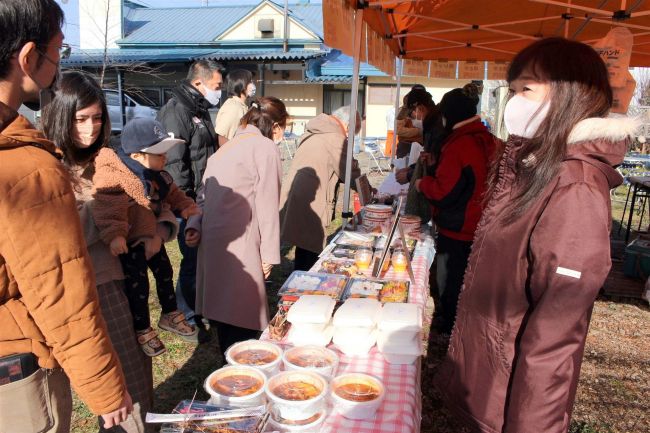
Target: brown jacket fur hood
{"type": "Point", "coordinates": [48, 299]}
{"type": "Point", "coordinates": [121, 207]}
{"type": "Point", "coordinates": [515, 353]}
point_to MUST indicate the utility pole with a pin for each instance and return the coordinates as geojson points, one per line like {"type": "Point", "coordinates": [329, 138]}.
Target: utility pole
{"type": "Point", "coordinates": [286, 26]}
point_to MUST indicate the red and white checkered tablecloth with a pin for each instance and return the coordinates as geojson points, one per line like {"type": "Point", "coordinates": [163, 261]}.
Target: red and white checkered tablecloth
{"type": "Point", "coordinates": [401, 410]}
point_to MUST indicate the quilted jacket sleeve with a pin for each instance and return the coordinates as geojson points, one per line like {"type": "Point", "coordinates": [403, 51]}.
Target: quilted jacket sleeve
{"type": "Point", "coordinates": [569, 252]}
{"type": "Point", "coordinates": [43, 245]}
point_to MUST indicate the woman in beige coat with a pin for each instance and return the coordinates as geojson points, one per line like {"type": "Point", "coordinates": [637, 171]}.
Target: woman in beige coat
{"type": "Point", "coordinates": [239, 230]}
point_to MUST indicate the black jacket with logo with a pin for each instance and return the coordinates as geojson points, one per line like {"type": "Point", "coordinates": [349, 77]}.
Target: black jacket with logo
{"type": "Point", "coordinates": [186, 115]}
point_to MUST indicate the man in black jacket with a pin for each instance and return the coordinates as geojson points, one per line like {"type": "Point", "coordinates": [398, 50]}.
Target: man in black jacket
{"type": "Point", "coordinates": [186, 115]}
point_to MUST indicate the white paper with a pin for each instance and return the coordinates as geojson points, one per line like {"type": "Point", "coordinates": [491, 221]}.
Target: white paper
{"type": "Point", "coordinates": [390, 186]}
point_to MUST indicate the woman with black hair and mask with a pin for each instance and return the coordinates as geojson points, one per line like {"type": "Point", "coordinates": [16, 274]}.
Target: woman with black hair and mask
{"type": "Point", "coordinates": [77, 122]}
{"type": "Point", "coordinates": [240, 87]}
{"type": "Point", "coordinates": [456, 191]}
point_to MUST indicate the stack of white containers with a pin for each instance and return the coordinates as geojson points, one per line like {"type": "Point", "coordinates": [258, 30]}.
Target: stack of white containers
{"type": "Point", "coordinates": [310, 317]}
{"type": "Point", "coordinates": [355, 326]}
{"type": "Point", "coordinates": [400, 333]}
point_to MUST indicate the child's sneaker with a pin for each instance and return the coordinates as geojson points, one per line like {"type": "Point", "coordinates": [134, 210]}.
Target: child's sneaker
{"type": "Point", "coordinates": [175, 322]}
{"type": "Point", "coordinates": [150, 343]}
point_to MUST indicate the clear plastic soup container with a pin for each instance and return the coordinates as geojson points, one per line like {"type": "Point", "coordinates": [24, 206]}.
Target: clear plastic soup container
{"type": "Point", "coordinates": [357, 395]}
{"type": "Point", "coordinates": [236, 386]}
{"type": "Point", "coordinates": [357, 312]}
{"type": "Point", "coordinates": [297, 395]}
{"type": "Point", "coordinates": [306, 426]}
{"type": "Point", "coordinates": [401, 353]}
{"type": "Point", "coordinates": [314, 358]}
{"type": "Point", "coordinates": [316, 309]}
{"type": "Point", "coordinates": [258, 354]}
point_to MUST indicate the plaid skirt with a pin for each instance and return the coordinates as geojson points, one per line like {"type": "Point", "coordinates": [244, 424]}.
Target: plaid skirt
{"type": "Point", "coordinates": [135, 364]}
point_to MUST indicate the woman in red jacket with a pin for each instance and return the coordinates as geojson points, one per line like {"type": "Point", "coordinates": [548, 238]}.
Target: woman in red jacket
{"type": "Point", "coordinates": [456, 192]}
{"type": "Point", "coordinates": [541, 250]}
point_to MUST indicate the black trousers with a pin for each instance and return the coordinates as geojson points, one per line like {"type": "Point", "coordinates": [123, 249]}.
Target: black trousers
{"type": "Point", "coordinates": [136, 283]}
{"type": "Point", "coordinates": [230, 334]}
{"type": "Point", "coordinates": [452, 256]}
{"type": "Point", "coordinates": [304, 259]}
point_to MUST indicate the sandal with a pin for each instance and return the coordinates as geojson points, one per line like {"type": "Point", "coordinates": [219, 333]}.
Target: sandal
{"type": "Point", "coordinates": [150, 343]}
{"type": "Point", "coordinates": [175, 322]}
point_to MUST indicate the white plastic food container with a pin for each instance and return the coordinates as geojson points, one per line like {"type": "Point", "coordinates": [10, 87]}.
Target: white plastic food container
{"type": "Point", "coordinates": [313, 358]}
{"type": "Point", "coordinates": [357, 312]}
{"type": "Point", "coordinates": [287, 389]}
{"type": "Point", "coordinates": [399, 322]}
{"type": "Point", "coordinates": [238, 379]}
{"type": "Point", "coordinates": [357, 395]}
{"type": "Point", "coordinates": [311, 309]}
{"type": "Point", "coordinates": [256, 353]}
{"type": "Point", "coordinates": [400, 353]}
{"type": "Point", "coordinates": [306, 426]}
{"type": "Point", "coordinates": [302, 337]}
{"type": "Point", "coordinates": [353, 346]}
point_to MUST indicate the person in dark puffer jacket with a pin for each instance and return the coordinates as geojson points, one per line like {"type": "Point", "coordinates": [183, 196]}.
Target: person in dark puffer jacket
{"type": "Point", "coordinates": [186, 116]}
{"type": "Point", "coordinates": [456, 192]}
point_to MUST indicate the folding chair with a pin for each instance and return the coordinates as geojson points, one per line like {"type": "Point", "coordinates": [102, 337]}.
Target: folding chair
{"type": "Point", "coordinates": [373, 149]}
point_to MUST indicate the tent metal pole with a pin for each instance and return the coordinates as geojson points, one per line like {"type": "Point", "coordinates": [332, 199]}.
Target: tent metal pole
{"type": "Point", "coordinates": [393, 146]}
{"type": "Point", "coordinates": [582, 8]}
{"type": "Point", "coordinates": [566, 22]}
{"type": "Point", "coordinates": [352, 125]}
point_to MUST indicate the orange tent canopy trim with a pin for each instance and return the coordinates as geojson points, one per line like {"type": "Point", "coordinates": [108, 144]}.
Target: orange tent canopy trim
{"type": "Point", "coordinates": [477, 30]}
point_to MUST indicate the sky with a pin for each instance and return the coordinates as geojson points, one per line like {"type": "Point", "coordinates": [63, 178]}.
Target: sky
{"type": "Point", "coordinates": [71, 10]}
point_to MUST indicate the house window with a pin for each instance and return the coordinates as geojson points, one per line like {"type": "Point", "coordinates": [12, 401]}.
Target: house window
{"type": "Point", "coordinates": [335, 97]}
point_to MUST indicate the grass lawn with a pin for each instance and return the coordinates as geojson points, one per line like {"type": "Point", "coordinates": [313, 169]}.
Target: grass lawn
{"type": "Point", "coordinates": [613, 394]}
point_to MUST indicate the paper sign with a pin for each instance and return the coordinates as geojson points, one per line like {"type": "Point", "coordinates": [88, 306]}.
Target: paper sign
{"type": "Point", "coordinates": [471, 70]}
{"type": "Point", "coordinates": [497, 70]}
{"type": "Point", "coordinates": [616, 50]}
{"type": "Point", "coordinates": [441, 69]}
{"type": "Point", "coordinates": [415, 68]}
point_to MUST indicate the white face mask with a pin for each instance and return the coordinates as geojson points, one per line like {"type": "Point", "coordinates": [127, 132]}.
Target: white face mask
{"type": "Point", "coordinates": [523, 116]}
{"type": "Point", "coordinates": [86, 134]}
{"type": "Point", "coordinates": [251, 90]}
{"type": "Point", "coordinates": [212, 96]}
{"type": "Point", "coordinates": [417, 123]}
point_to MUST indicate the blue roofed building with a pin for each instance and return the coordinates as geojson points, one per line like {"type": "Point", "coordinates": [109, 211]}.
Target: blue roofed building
{"type": "Point", "coordinates": [149, 49]}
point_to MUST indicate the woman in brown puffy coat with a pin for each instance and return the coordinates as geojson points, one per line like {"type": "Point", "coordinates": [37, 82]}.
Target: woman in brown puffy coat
{"type": "Point", "coordinates": [541, 249]}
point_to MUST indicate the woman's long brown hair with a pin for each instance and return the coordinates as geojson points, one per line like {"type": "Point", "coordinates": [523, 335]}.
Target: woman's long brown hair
{"type": "Point", "coordinates": [579, 89]}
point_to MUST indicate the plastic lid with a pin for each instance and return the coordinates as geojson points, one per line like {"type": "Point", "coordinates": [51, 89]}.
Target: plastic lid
{"type": "Point", "coordinates": [400, 317]}
{"type": "Point", "coordinates": [311, 309]}
{"type": "Point", "coordinates": [358, 312]}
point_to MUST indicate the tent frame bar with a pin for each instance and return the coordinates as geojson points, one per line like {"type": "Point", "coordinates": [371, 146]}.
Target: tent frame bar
{"type": "Point", "coordinates": [399, 70]}
{"type": "Point", "coordinates": [354, 99]}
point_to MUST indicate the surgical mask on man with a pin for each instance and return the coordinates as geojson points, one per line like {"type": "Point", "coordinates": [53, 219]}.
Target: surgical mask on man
{"type": "Point", "coordinates": [45, 94]}
{"type": "Point", "coordinates": [417, 123]}
{"type": "Point", "coordinates": [252, 89]}
{"type": "Point", "coordinates": [523, 116]}
{"type": "Point", "coordinates": [212, 96]}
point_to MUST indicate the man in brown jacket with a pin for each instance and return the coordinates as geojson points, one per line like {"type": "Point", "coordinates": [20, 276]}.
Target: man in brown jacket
{"type": "Point", "coordinates": [308, 196]}
{"type": "Point", "coordinates": [51, 328]}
